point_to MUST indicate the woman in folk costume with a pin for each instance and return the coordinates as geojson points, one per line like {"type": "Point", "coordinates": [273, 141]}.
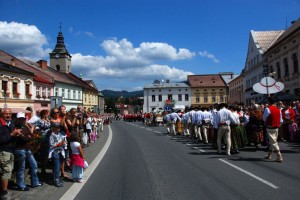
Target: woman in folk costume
{"type": "Point", "coordinates": [288, 116]}
{"type": "Point", "coordinates": [244, 119]}
{"type": "Point", "coordinates": [256, 126]}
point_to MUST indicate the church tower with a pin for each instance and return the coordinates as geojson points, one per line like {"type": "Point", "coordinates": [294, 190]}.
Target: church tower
{"type": "Point", "coordinates": [60, 59]}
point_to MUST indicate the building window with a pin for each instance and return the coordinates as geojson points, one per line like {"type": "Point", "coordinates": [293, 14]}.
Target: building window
{"type": "Point", "coordinates": [57, 67]}
{"type": "Point", "coordinates": [213, 99]}
{"type": "Point", "coordinates": [27, 89]}
{"type": "Point", "coordinates": [186, 97]}
{"type": "Point", "coordinates": [153, 98]}
{"type": "Point", "coordinates": [74, 94]}
{"type": "Point", "coordinates": [169, 90]}
{"type": "Point", "coordinates": [152, 90]}
{"type": "Point", "coordinates": [221, 89]}
{"type": "Point", "coordinates": [56, 92]}
{"type": "Point", "coordinates": [205, 99]}
{"type": "Point", "coordinates": [213, 90]}
{"type": "Point", "coordinates": [79, 95]}
{"type": "Point", "coordinates": [169, 96]}
{"type": "Point", "coordinates": [160, 97]}
{"type": "Point", "coordinates": [69, 94]}
{"type": "Point", "coordinates": [295, 63]}
{"type": "Point", "coordinates": [197, 99]}
{"type": "Point", "coordinates": [43, 92]}
{"type": "Point", "coordinates": [278, 70]}
{"type": "Point", "coordinates": [15, 88]}
{"type": "Point", "coordinates": [286, 67]}
{"type": "Point", "coordinates": [186, 89]}
{"type": "Point", "coordinates": [37, 91]}
{"type": "Point", "coordinates": [4, 86]}
{"type": "Point", "coordinates": [271, 69]}
{"type": "Point", "coordinates": [221, 99]}
{"type": "Point", "coordinates": [63, 92]}
{"type": "Point", "coordinates": [179, 90]}
{"type": "Point", "coordinates": [48, 92]}
{"type": "Point", "coordinates": [179, 97]}
{"type": "Point", "coordinates": [159, 90]}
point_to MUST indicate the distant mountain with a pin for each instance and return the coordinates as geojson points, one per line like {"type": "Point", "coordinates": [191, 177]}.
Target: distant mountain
{"type": "Point", "coordinates": [111, 93]}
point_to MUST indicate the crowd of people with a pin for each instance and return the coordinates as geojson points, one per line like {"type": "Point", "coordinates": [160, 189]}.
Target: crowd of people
{"type": "Point", "coordinates": [50, 138]}
{"type": "Point", "coordinates": [239, 126]}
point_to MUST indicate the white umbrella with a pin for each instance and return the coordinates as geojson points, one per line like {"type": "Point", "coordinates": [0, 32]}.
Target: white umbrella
{"type": "Point", "coordinates": [268, 85]}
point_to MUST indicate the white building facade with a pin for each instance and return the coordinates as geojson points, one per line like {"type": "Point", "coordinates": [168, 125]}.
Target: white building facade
{"type": "Point", "coordinates": [165, 96]}
{"type": "Point", "coordinates": [259, 42]}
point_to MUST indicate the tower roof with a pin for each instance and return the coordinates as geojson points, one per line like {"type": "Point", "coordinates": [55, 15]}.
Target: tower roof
{"type": "Point", "coordinates": [60, 46]}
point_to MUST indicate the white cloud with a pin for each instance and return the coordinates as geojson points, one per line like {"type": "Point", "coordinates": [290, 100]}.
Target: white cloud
{"type": "Point", "coordinates": [209, 55]}
{"type": "Point", "coordinates": [23, 40]}
{"type": "Point", "coordinates": [122, 62]}
{"type": "Point", "coordinates": [89, 34]}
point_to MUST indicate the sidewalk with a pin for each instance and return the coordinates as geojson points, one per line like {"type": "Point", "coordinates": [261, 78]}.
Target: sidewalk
{"type": "Point", "coordinates": [49, 191]}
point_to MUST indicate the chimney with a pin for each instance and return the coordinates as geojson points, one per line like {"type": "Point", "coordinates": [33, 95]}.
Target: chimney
{"type": "Point", "coordinates": [43, 64]}
{"type": "Point", "coordinates": [231, 75]}
{"type": "Point", "coordinates": [13, 62]}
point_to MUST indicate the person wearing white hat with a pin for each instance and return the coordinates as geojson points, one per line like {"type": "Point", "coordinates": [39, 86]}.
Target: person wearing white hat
{"type": "Point", "coordinates": [23, 153]}
{"type": "Point", "coordinates": [273, 119]}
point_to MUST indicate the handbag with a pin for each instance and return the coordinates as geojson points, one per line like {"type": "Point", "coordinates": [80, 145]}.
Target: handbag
{"type": "Point", "coordinates": [86, 165]}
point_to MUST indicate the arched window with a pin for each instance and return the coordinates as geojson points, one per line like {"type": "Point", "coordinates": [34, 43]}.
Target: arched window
{"type": "Point", "coordinates": [57, 67]}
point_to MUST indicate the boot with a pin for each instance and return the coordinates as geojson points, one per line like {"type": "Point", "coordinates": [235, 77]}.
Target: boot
{"type": "Point", "coordinates": [269, 155]}
{"type": "Point", "coordinates": [58, 183]}
{"type": "Point", "coordinates": [279, 157]}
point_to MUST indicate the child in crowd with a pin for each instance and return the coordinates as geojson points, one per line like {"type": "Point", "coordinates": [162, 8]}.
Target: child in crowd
{"type": "Point", "coordinates": [56, 152]}
{"type": "Point", "coordinates": [77, 159]}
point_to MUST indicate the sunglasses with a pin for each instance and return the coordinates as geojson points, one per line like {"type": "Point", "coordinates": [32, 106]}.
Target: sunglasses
{"type": "Point", "coordinates": [55, 112]}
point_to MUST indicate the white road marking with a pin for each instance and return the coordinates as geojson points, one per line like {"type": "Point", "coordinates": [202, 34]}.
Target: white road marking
{"type": "Point", "coordinates": [157, 132]}
{"type": "Point", "coordinates": [149, 129]}
{"type": "Point", "coordinates": [202, 150]}
{"type": "Point", "coordinates": [76, 187]}
{"type": "Point", "coordinates": [250, 174]}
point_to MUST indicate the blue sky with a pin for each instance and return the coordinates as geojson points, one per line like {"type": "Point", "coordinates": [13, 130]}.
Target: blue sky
{"type": "Point", "coordinates": [125, 44]}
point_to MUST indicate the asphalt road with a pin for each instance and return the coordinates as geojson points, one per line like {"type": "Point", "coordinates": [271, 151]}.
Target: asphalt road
{"type": "Point", "coordinates": [144, 163]}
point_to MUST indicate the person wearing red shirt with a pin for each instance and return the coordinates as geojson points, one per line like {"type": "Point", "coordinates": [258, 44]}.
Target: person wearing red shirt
{"type": "Point", "coordinates": [273, 119]}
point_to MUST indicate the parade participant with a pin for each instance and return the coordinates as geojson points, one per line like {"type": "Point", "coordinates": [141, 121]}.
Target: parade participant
{"type": "Point", "coordinates": [235, 135]}
{"type": "Point", "coordinates": [288, 115]}
{"type": "Point", "coordinates": [191, 120]}
{"type": "Point", "coordinates": [174, 117]}
{"type": "Point", "coordinates": [77, 159]}
{"type": "Point", "coordinates": [167, 121]}
{"type": "Point", "coordinates": [7, 133]}
{"type": "Point", "coordinates": [206, 118]}
{"type": "Point", "coordinates": [23, 153]}
{"type": "Point", "coordinates": [215, 124]}
{"type": "Point", "coordinates": [197, 120]}
{"type": "Point", "coordinates": [56, 153]}
{"type": "Point", "coordinates": [184, 122]}
{"type": "Point", "coordinates": [273, 119]}
{"type": "Point", "coordinates": [256, 126]}
{"type": "Point", "coordinates": [224, 119]}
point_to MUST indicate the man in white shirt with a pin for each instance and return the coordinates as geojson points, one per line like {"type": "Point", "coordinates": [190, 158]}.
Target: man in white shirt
{"type": "Point", "coordinates": [167, 120]}
{"type": "Point", "coordinates": [224, 118]}
{"type": "Point", "coordinates": [206, 118]}
{"type": "Point", "coordinates": [191, 122]}
{"type": "Point", "coordinates": [198, 122]}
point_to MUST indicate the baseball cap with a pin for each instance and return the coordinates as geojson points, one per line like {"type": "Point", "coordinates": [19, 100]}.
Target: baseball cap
{"type": "Point", "coordinates": [20, 115]}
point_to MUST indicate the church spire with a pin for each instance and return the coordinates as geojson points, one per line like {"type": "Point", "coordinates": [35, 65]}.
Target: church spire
{"type": "Point", "coordinates": [60, 44]}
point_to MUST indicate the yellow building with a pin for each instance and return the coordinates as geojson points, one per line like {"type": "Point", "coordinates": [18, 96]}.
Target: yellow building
{"type": "Point", "coordinates": [207, 90]}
